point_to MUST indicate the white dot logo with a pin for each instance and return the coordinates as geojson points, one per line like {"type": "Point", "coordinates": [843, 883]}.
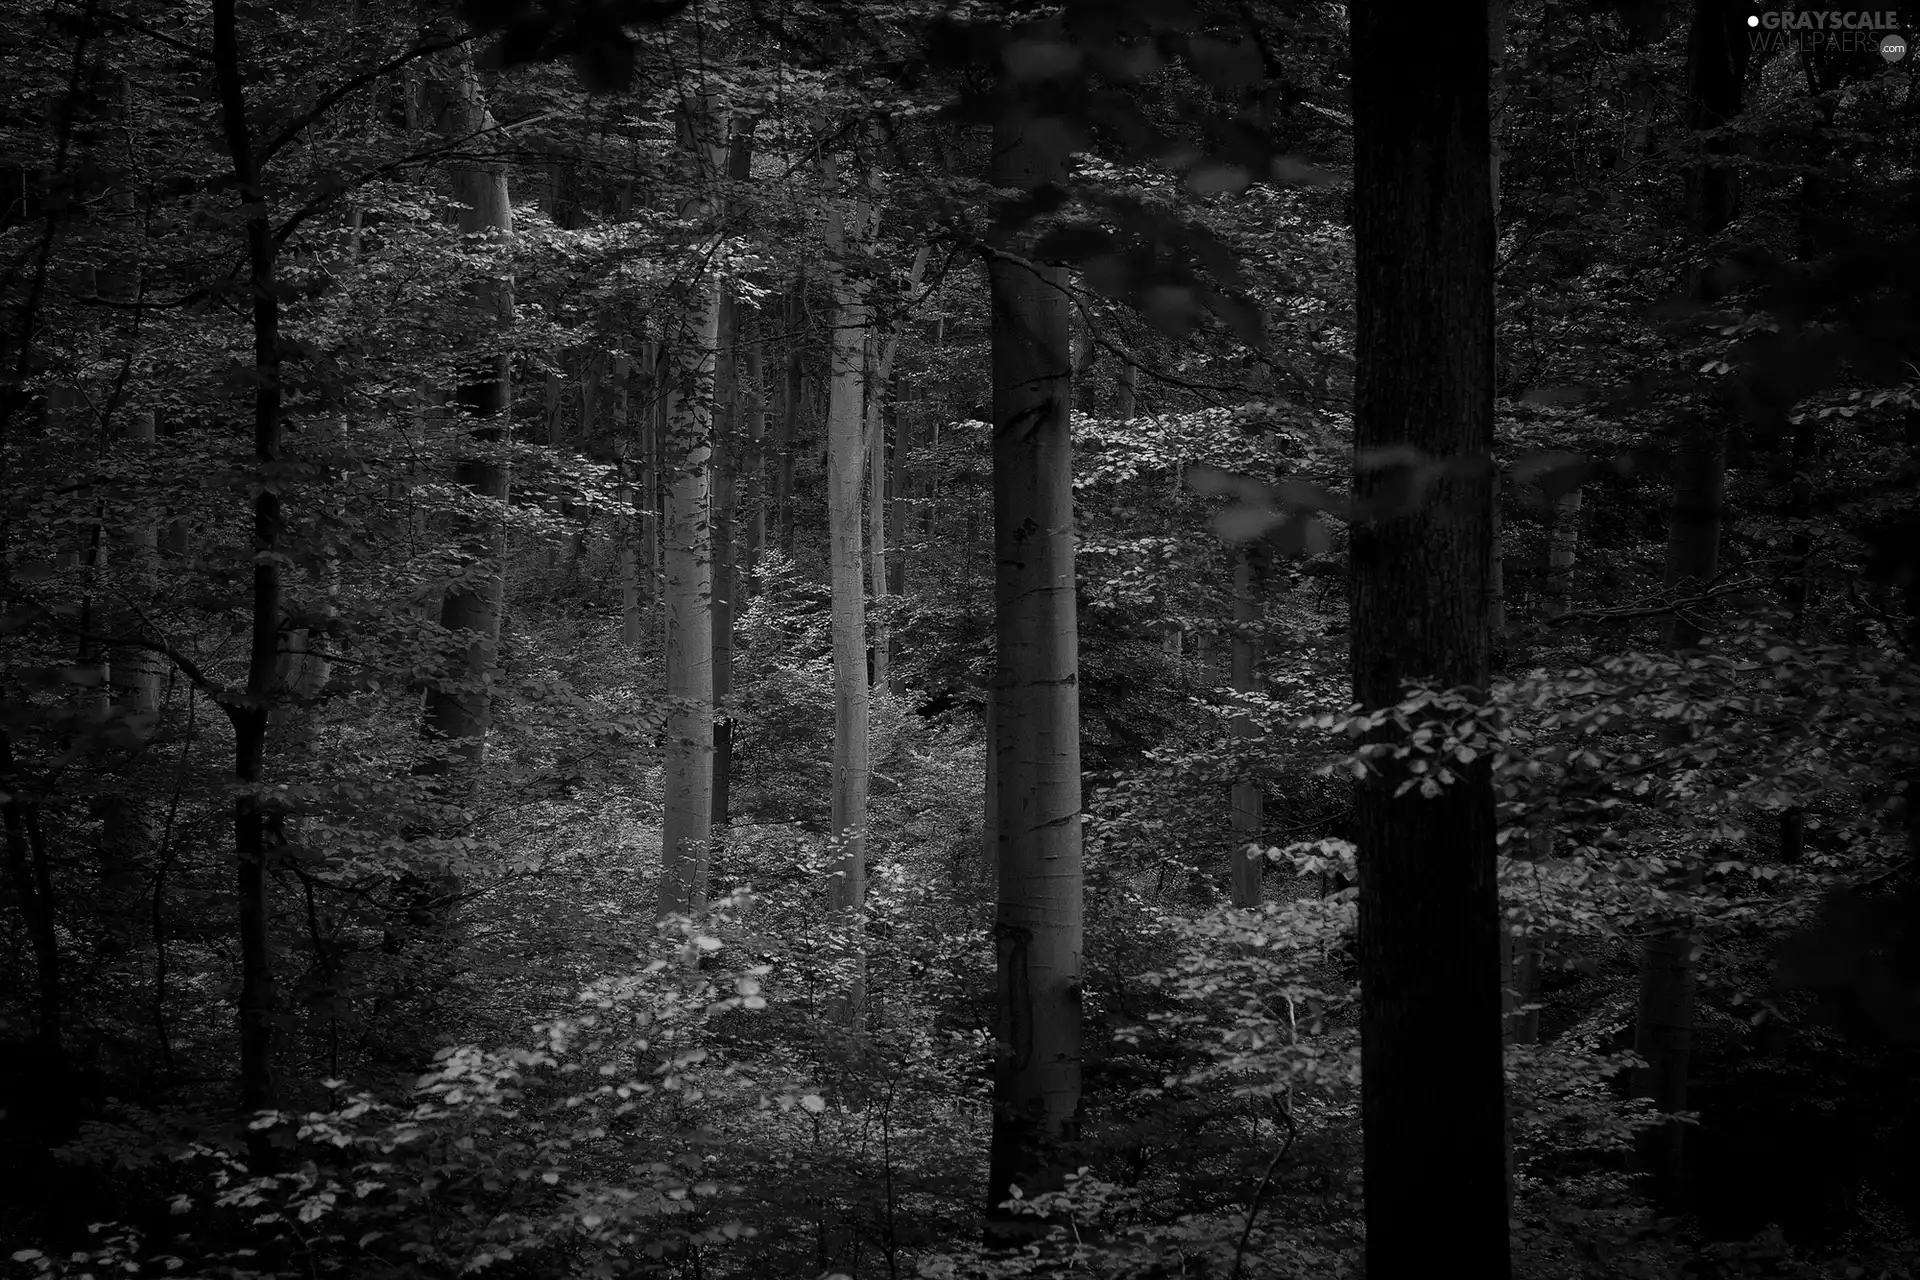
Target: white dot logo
{"type": "Point", "coordinates": [1893, 46]}
{"type": "Point", "coordinates": [1753, 19]}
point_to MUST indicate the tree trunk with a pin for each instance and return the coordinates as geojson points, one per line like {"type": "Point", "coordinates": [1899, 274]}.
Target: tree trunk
{"type": "Point", "coordinates": [754, 406]}
{"type": "Point", "coordinates": [846, 467]}
{"type": "Point", "coordinates": [1037, 918]}
{"type": "Point", "coordinates": [1716, 63]}
{"type": "Point", "coordinates": [880, 414]}
{"type": "Point", "coordinates": [876, 452]}
{"type": "Point", "coordinates": [1563, 552]}
{"type": "Point", "coordinates": [727, 402]}
{"type": "Point", "coordinates": [454, 721]}
{"type": "Point", "coordinates": [783, 446]}
{"type": "Point", "coordinates": [902, 435]}
{"type": "Point", "coordinates": [255, 831]}
{"type": "Point", "coordinates": [1247, 799]}
{"type": "Point", "coordinates": [1124, 398]}
{"type": "Point", "coordinates": [687, 830]}
{"type": "Point", "coordinates": [1432, 1086]}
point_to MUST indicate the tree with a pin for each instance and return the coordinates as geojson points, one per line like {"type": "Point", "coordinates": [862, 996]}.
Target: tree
{"type": "Point", "coordinates": [1663, 1021]}
{"type": "Point", "coordinates": [1036, 706]}
{"type": "Point", "coordinates": [453, 724]}
{"type": "Point", "coordinates": [846, 223]}
{"type": "Point", "coordinates": [255, 829]}
{"type": "Point", "coordinates": [686, 834]}
{"type": "Point", "coordinates": [1432, 1093]}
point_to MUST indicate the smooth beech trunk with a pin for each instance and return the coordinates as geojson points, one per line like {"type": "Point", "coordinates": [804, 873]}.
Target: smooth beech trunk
{"type": "Point", "coordinates": [687, 477]}
{"type": "Point", "coordinates": [879, 416]}
{"type": "Point", "coordinates": [1433, 1105]}
{"type": "Point", "coordinates": [754, 499]}
{"type": "Point", "coordinates": [456, 714]}
{"type": "Point", "coordinates": [1247, 800]}
{"type": "Point", "coordinates": [728, 439]}
{"type": "Point", "coordinates": [846, 468]}
{"type": "Point", "coordinates": [1563, 552]}
{"type": "Point", "coordinates": [1037, 915]}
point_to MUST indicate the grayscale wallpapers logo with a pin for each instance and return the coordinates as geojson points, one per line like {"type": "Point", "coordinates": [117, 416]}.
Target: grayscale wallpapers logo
{"type": "Point", "coordinates": [1828, 30]}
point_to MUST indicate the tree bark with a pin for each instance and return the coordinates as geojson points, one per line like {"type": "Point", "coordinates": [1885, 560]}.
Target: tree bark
{"type": "Point", "coordinates": [687, 830]}
{"type": "Point", "coordinates": [1563, 552]}
{"type": "Point", "coordinates": [1247, 800]}
{"type": "Point", "coordinates": [879, 413]}
{"type": "Point", "coordinates": [727, 403]}
{"type": "Point", "coordinates": [846, 468]}
{"type": "Point", "coordinates": [1037, 917]}
{"type": "Point", "coordinates": [1432, 1086]}
{"type": "Point", "coordinates": [783, 445]}
{"type": "Point", "coordinates": [255, 831]}
{"type": "Point", "coordinates": [754, 406]}
{"type": "Point", "coordinates": [457, 711]}
{"type": "Point", "coordinates": [1716, 68]}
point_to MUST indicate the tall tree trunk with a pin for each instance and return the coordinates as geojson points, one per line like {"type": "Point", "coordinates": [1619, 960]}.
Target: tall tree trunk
{"type": "Point", "coordinates": [1127, 394]}
{"type": "Point", "coordinates": [1037, 917]}
{"type": "Point", "coordinates": [255, 830]}
{"type": "Point", "coordinates": [1716, 74]}
{"type": "Point", "coordinates": [876, 437]}
{"type": "Point", "coordinates": [902, 435]}
{"type": "Point", "coordinates": [879, 415]}
{"type": "Point", "coordinates": [454, 721]}
{"type": "Point", "coordinates": [754, 406]}
{"type": "Point", "coordinates": [1432, 1087]}
{"type": "Point", "coordinates": [1247, 800]}
{"type": "Point", "coordinates": [846, 467]}
{"type": "Point", "coordinates": [727, 401]}
{"type": "Point", "coordinates": [784, 442]}
{"type": "Point", "coordinates": [1563, 552]}
{"type": "Point", "coordinates": [686, 835]}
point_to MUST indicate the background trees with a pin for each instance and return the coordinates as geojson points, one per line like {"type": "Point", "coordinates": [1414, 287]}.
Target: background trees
{"type": "Point", "coordinates": [1166, 231]}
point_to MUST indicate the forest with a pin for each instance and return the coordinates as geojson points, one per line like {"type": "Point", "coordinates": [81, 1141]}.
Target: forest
{"type": "Point", "coordinates": [757, 639]}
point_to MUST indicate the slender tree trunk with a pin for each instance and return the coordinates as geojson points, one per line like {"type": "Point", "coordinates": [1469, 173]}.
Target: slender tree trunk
{"type": "Point", "coordinates": [783, 447]}
{"type": "Point", "coordinates": [876, 436]}
{"type": "Point", "coordinates": [727, 402]}
{"type": "Point", "coordinates": [1432, 1086]}
{"type": "Point", "coordinates": [687, 832]}
{"type": "Point", "coordinates": [255, 832]}
{"type": "Point", "coordinates": [879, 414]}
{"type": "Point", "coordinates": [754, 406]}
{"type": "Point", "coordinates": [1563, 552]}
{"type": "Point", "coordinates": [902, 434]}
{"type": "Point", "coordinates": [1247, 798]}
{"type": "Point", "coordinates": [1037, 919]}
{"type": "Point", "coordinates": [44, 1067]}
{"type": "Point", "coordinates": [846, 466]}
{"type": "Point", "coordinates": [1125, 397]}
{"type": "Point", "coordinates": [454, 721]}
{"type": "Point", "coordinates": [1716, 70]}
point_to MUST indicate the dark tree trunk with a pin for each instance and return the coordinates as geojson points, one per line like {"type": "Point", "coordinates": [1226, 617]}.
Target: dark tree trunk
{"type": "Point", "coordinates": [1432, 1092]}
{"type": "Point", "coordinates": [255, 828]}
{"type": "Point", "coordinates": [1716, 72]}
